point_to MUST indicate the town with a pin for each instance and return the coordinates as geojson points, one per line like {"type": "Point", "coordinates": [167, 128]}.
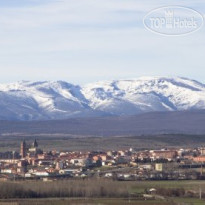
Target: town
{"type": "Point", "coordinates": [32, 163]}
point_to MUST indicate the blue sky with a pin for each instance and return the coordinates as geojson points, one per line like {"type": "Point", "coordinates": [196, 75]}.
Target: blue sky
{"type": "Point", "coordinates": [82, 41]}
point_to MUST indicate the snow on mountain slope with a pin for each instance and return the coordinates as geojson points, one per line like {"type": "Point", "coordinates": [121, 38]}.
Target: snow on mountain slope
{"type": "Point", "coordinates": [42, 100]}
{"type": "Point", "coordinates": [58, 100]}
{"type": "Point", "coordinates": [146, 94]}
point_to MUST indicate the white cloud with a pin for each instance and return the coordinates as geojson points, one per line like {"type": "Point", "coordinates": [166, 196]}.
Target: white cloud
{"type": "Point", "coordinates": [92, 39]}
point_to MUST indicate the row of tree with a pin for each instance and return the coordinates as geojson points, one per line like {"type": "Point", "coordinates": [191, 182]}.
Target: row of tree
{"type": "Point", "coordinates": [64, 188]}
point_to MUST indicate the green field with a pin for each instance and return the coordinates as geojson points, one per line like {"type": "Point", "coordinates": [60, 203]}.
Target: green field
{"type": "Point", "coordinates": [140, 186]}
{"type": "Point", "coordinates": [66, 201]}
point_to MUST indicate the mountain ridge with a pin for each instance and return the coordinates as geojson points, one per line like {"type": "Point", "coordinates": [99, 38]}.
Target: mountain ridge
{"type": "Point", "coordinates": [46, 100]}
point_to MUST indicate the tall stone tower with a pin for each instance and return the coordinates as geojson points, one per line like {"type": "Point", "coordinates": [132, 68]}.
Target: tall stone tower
{"type": "Point", "coordinates": [35, 144]}
{"type": "Point", "coordinates": [23, 149]}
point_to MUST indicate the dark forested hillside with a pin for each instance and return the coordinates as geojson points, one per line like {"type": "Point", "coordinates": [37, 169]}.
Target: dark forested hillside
{"type": "Point", "coordinates": [184, 122]}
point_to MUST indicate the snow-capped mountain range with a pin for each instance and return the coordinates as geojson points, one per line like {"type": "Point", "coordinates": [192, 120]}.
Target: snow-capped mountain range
{"type": "Point", "coordinates": [60, 100]}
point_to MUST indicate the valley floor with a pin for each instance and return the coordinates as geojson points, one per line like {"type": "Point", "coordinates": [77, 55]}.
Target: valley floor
{"type": "Point", "coordinates": [81, 143]}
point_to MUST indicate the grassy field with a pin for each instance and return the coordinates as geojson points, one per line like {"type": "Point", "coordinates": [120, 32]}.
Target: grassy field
{"type": "Point", "coordinates": [188, 201]}
{"type": "Point", "coordinates": [71, 143]}
{"type": "Point", "coordinates": [66, 201]}
{"type": "Point", "coordinates": [140, 186]}
{"type": "Point", "coordinates": [100, 201]}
